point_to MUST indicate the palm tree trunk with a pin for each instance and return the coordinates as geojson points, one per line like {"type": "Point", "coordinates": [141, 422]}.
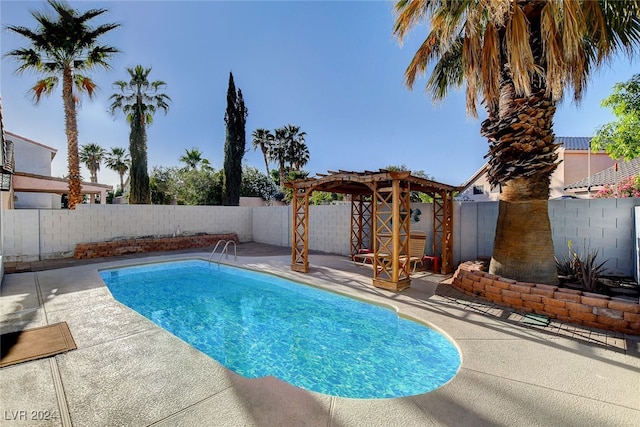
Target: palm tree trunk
{"type": "Point", "coordinates": [281, 174]}
{"type": "Point", "coordinates": [523, 245]}
{"type": "Point", "coordinates": [522, 158]}
{"type": "Point", "coordinates": [139, 191]}
{"type": "Point", "coordinates": [71, 128]}
{"type": "Point", "coordinates": [266, 158]}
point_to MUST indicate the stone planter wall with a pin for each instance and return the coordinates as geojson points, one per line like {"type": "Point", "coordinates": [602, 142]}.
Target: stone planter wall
{"type": "Point", "coordinates": [129, 246]}
{"type": "Point", "coordinates": [567, 305]}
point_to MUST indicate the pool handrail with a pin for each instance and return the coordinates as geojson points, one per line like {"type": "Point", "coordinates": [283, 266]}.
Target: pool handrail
{"type": "Point", "coordinates": [224, 251]}
{"type": "Point", "coordinates": [216, 247]}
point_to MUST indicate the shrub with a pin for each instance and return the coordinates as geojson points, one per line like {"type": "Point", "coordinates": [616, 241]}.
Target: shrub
{"type": "Point", "coordinates": [627, 187]}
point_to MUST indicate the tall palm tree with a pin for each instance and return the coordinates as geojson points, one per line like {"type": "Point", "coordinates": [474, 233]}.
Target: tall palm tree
{"type": "Point", "coordinates": [278, 152]}
{"type": "Point", "coordinates": [297, 150]}
{"type": "Point", "coordinates": [519, 57]}
{"type": "Point", "coordinates": [263, 138]}
{"type": "Point", "coordinates": [118, 160]}
{"type": "Point", "coordinates": [139, 100]}
{"type": "Point", "coordinates": [193, 158]}
{"type": "Point", "coordinates": [65, 45]}
{"type": "Point", "coordinates": [92, 155]}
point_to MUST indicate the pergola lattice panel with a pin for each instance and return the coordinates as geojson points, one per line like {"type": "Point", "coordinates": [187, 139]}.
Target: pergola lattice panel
{"type": "Point", "coordinates": [361, 224]}
{"type": "Point", "coordinates": [443, 230]}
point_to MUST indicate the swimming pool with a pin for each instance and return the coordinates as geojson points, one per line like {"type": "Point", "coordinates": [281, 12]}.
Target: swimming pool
{"type": "Point", "coordinates": [258, 324]}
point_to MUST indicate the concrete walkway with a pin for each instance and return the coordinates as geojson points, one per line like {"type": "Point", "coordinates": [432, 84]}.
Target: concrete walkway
{"type": "Point", "coordinates": [128, 372]}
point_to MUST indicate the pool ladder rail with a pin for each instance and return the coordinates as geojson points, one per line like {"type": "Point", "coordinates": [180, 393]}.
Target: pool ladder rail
{"type": "Point", "coordinates": [225, 251]}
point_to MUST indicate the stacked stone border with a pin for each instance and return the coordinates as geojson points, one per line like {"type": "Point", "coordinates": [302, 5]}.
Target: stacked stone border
{"type": "Point", "coordinates": [151, 244]}
{"type": "Point", "coordinates": [567, 305]}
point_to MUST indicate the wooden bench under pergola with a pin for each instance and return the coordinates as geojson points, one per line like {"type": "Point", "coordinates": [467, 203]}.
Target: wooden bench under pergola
{"type": "Point", "coordinates": [380, 214]}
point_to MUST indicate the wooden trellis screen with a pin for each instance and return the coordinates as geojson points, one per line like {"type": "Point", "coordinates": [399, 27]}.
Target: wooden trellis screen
{"type": "Point", "coordinates": [443, 230]}
{"type": "Point", "coordinates": [361, 223]}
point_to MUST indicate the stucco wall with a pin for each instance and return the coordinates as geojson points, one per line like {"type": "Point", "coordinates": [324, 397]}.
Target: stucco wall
{"type": "Point", "coordinates": [31, 234]}
{"type": "Point", "coordinates": [576, 165]}
{"type": "Point", "coordinates": [36, 159]}
{"type": "Point", "coordinates": [607, 225]}
{"type": "Point", "coordinates": [271, 224]}
{"type": "Point", "coordinates": [30, 157]}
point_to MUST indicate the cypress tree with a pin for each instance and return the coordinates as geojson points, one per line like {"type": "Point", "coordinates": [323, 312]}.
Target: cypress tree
{"type": "Point", "coordinates": [235, 119]}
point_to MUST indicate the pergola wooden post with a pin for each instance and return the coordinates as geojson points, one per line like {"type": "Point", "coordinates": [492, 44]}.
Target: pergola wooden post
{"type": "Point", "coordinates": [384, 222]}
{"type": "Point", "coordinates": [391, 236]}
{"type": "Point", "coordinates": [300, 235]}
{"type": "Point", "coordinates": [443, 230]}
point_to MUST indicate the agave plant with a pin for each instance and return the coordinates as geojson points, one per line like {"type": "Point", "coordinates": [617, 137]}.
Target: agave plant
{"type": "Point", "coordinates": [585, 271]}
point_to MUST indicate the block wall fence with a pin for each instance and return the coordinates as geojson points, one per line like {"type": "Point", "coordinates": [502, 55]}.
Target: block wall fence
{"type": "Point", "coordinates": [607, 225]}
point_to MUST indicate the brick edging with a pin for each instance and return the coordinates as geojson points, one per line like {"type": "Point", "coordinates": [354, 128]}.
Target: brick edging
{"type": "Point", "coordinates": [152, 244]}
{"type": "Point", "coordinates": [567, 305]}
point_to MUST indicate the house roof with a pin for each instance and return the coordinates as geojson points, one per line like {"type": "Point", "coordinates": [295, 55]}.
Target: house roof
{"type": "Point", "coordinates": [33, 183]}
{"type": "Point", "coordinates": [578, 143]}
{"type": "Point", "coordinates": [609, 175]}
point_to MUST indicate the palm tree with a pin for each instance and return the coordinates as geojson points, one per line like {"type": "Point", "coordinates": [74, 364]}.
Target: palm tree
{"type": "Point", "coordinates": [193, 158]}
{"type": "Point", "coordinates": [65, 45]}
{"type": "Point", "coordinates": [297, 150]}
{"type": "Point", "coordinates": [263, 138]}
{"type": "Point", "coordinates": [91, 155]}
{"type": "Point", "coordinates": [278, 152]}
{"type": "Point", "coordinates": [139, 100]}
{"type": "Point", "coordinates": [118, 160]}
{"type": "Point", "coordinates": [519, 57]}
{"type": "Point", "coordinates": [288, 146]}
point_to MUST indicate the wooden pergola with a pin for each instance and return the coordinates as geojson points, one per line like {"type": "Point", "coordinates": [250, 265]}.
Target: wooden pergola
{"type": "Point", "coordinates": [380, 220]}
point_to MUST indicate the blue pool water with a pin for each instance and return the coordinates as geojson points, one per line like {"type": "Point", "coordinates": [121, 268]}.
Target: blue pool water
{"type": "Point", "coordinates": [258, 325]}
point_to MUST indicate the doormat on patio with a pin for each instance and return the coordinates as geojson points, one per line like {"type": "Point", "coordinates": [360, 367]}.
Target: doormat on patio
{"type": "Point", "coordinates": [36, 343]}
{"type": "Point", "coordinates": [535, 319]}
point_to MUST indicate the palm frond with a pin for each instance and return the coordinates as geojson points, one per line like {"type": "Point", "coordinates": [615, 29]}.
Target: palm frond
{"type": "Point", "coordinates": [519, 51]}
{"type": "Point", "coordinates": [553, 51]}
{"type": "Point", "coordinates": [491, 67]}
{"type": "Point", "coordinates": [408, 14]}
{"type": "Point", "coordinates": [573, 29]}
{"type": "Point", "coordinates": [27, 59]}
{"type": "Point", "coordinates": [447, 72]}
{"type": "Point", "coordinates": [84, 84]}
{"type": "Point", "coordinates": [44, 87]}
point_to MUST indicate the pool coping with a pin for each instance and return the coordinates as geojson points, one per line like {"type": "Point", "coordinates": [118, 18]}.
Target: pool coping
{"type": "Point", "coordinates": [127, 370]}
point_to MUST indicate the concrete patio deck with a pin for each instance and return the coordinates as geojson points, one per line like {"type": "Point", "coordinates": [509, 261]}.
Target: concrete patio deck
{"type": "Point", "coordinates": [128, 372]}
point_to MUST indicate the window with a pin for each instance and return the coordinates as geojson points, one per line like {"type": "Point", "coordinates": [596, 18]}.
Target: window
{"type": "Point", "coordinates": [478, 189]}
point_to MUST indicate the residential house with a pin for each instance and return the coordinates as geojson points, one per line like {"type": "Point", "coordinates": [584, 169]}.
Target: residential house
{"type": "Point", "coordinates": [577, 162]}
{"type": "Point", "coordinates": [32, 186]}
{"type": "Point", "coordinates": [610, 176]}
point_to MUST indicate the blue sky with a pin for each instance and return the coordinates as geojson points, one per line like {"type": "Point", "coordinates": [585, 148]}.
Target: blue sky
{"type": "Point", "coordinates": [331, 67]}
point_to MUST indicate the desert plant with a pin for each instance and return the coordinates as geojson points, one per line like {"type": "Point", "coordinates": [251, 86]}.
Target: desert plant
{"type": "Point", "coordinates": [584, 270]}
